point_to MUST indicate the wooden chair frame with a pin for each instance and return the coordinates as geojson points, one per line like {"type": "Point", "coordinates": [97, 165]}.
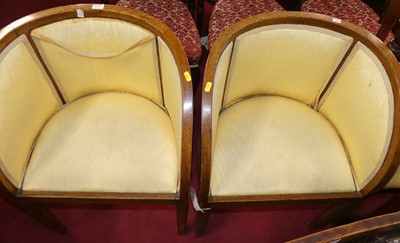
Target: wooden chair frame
{"type": "Point", "coordinates": [361, 231]}
{"type": "Point", "coordinates": [343, 201]}
{"type": "Point", "coordinates": [32, 203]}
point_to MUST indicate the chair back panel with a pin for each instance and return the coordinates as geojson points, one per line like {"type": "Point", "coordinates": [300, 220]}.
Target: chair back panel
{"type": "Point", "coordinates": [221, 74]}
{"type": "Point", "coordinates": [290, 65]}
{"type": "Point", "coordinates": [172, 91]}
{"type": "Point", "coordinates": [360, 105]}
{"type": "Point", "coordinates": [89, 55]}
{"type": "Point", "coordinates": [22, 111]}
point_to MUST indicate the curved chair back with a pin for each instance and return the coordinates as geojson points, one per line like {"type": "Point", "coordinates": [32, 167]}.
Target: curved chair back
{"type": "Point", "coordinates": [274, 85]}
{"type": "Point", "coordinates": [92, 99]}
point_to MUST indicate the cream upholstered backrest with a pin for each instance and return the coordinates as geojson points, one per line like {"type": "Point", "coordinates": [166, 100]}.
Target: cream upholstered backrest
{"type": "Point", "coordinates": [359, 103]}
{"type": "Point", "coordinates": [89, 55]}
{"type": "Point", "coordinates": [111, 55]}
{"type": "Point", "coordinates": [298, 71]}
{"type": "Point", "coordinates": [328, 70]}
{"type": "Point", "coordinates": [66, 58]}
{"type": "Point", "coordinates": [27, 100]}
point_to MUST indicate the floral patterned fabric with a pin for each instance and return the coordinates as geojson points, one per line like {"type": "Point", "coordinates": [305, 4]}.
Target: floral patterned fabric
{"type": "Point", "coordinates": [176, 16]}
{"type": "Point", "coordinates": [228, 12]}
{"type": "Point", "coordinates": [354, 11]}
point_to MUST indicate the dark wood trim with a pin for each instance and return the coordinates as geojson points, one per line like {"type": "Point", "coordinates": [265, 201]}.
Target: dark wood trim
{"type": "Point", "coordinates": [63, 196]}
{"type": "Point", "coordinates": [157, 44]}
{"type": "Point", "coordinates": [357, 231]}
{"type": "Point", "coordinates": [46, 69]}
{"type": "Point", "coordinates": [334, 75]}
{"type": "Point", "coordinates": [251, 199]}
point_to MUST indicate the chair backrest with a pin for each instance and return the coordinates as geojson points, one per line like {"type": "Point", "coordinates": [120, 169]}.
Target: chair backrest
{"type": "Point", "coordinates": [54, 57]}
{"type": "Point", "coordinates": [339, 70]}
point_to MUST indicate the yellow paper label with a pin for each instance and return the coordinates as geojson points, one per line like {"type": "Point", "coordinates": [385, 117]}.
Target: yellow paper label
{"type": "Point", "coordinates": [187, 76]}
{"type": "Point", "coordinates": [208, 87]}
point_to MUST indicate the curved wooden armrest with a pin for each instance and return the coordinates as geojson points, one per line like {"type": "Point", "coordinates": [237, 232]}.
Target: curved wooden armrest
{"type": "Point", "coordinates": [386, 226]}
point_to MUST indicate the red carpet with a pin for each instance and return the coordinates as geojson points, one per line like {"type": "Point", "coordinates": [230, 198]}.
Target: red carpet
{"type": "Point", "coordinates": [139, 223]}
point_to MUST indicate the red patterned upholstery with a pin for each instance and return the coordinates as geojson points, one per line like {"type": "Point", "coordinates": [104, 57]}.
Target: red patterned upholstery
{"type": "Point", "coordinates": [228, 12]}
{"type": "Point", "coordinates": [177, 17]}
{"type": "Point", "coordinates": [354, 11]}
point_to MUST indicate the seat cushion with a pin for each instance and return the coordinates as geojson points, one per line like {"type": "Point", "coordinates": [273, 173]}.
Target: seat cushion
{"type": "Point", "coordinates": [228, 12]}
{"type": "Point", "coordinates": [108, 142]}
{"type": "Point", "coordinates": [354, 11]}
{"type": "Point", "coordinates": [176, 16]}
{"type": "Point", "coordinates": [275, 145]}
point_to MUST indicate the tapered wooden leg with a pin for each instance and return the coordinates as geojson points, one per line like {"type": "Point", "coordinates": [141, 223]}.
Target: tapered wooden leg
{"type": "Point", "coordinates": [333, 213]}
{"type": "Point", "coordinates": [182, 215]}
{"type": "Point", "coordinates": [43, 215]}
{"type": "Point", "coordinates": [35, 210]}
{"type": "Point", "coordinates": [201, 222]}
{"type": "Point", "coordinates": [195, 71]}
{"type": "Point", "coordinates": [394, 46]}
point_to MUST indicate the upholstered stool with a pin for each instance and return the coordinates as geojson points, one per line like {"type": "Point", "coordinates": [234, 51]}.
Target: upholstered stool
{"type": "Point", "coordinates": [228, 12]}
{"type": "Point", "coordinates": [354, 11]}
{"type": "Point", "coordinates": [177, 17]}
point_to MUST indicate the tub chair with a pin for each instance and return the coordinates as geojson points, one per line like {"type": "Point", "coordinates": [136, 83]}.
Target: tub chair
{"type": "Point", "coordinates": [297, 107]}
{"type": "Point", "coordinates": [95, 107]}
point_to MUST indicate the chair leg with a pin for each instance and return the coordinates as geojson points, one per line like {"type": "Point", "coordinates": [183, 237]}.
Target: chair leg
{"type": "Point", "coordinates": [35, 210]}
{"type": "Point", "coordinates": [201, 222]}
{"type": "Point", "coordinates": [182, 215]}
{"type": "Point", "coordinates": [332, 213]}
{"type": "Point", "coordinates": [43, 215]}
{"type": "Point", "coordinates": [195, 71]}
{"type": "Point", "coordinates": [394, 46]}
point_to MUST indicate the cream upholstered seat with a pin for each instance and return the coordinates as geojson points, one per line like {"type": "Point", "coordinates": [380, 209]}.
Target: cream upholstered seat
{"type": "Point", "coordinates": [121, 121]}
{"type": "Point", "coordinates": [297, 106]}
{"type": "Point", "coordinates": [309, 150]}
{"type": "Point", "coordinates": [96, 105]}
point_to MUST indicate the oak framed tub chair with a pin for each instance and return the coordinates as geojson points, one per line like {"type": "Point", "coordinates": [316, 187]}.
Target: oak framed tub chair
{"type": "Point", "coordinates": [95, 107]}
{"type": "Point", "coordinates": [297, 107]}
